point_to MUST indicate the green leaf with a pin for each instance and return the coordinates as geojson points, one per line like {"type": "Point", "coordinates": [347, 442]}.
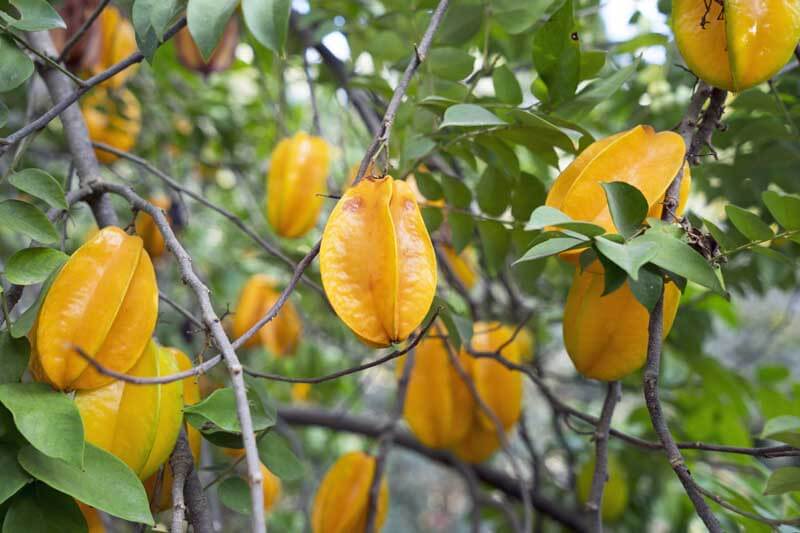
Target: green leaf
{"type": "Point", "coordinates": [15, 66]}
{"type": "Point", "coordinates": [462, 228]}
{"type": "Point", "coordinates": [551, 246]}
{"type": "Point", "coordinates": [784, 208]}
{"type": "Point", "coordinates": [627, 205]}
{"type": "Point", "coordinates": [506, 86]}
{"type": "Point", "coordinates": [456, 192]}
{"type": "Point", "coordinates": [598, 91]}
{"type": "Point", "coordinates": [629, 257]}
{"type": "Point", "coordinates": [430, 188]}
{"type": "Point", "coordinates": [592, 61]}
{"type": "Point", "coordinates": [545, 216]}
{"type": "Point", "coordinates": [14, 356]}
{"type": "Point", "coordinates": [40, 509]}
{"type": "Point", "coordinates": [25, 218]}
{"type": "Point", "coordinates": [543, 128]}
{"type": "Point", "coordinates": [493, 192]}
{"type": "Point", "coordinates": [784, 429]}
{"type": "Point", "coordinates": [24, 323]}
{"type": "Point", "coordinates": [35, 15]}
{"type": "Point", "coordinates": [234, 493]}
{"type": "Point", "coordinates": [528, 195]}
{"type": "Point", "coordinates": [783, 480]}
{"type": "Point", "coordinates": [557, 55]}
{"type": "Point", "coordinates": [268, 21]}
{"type": "Point", "coordinates": [516, 17]}
{"type": "Point", "coordinates": [641, 41]}
{"type": "Point", "coordinates": [220, 410]}
{"type": "Point", "coordinates": [276, 455]}
{"type": "Point", "coordinates": [49, 420]}
{"type": "Point", "coordinates": [433, 218]}
{"type": "Point", "coordinates": [162, 13]}
{"type": "Point", "coordinates": [146, 37]}
{"type": "Point", "coordinates": [749, 224]}
{"type": "Point", "coordinates": [676, 256]}
{"type": "Point", "coordinates": [14, 477]}
{"type": "Point", "coordinates": [40, 184]}
{"type": "Point", "coordinates": [468, 115]}
{"type": "Point", "coordinates": [725, 240]}
{"type": "Point", "coordinates": [496, 241]}
{"type": "Point", "coordinates": [104, 482]}
{"type": "Point", "coordinates": [33, 265]}
{"type": "Point", "coordinates": [206, 20]}
{"type": "Point", "coordinates": [647, 289]}
{"type": "Point", "coordinates": [451, 63]}
{"type": "Point", "coordinates": [459, 25]}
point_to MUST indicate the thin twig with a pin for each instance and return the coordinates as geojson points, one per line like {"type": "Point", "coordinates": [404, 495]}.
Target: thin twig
{"type": "Point", "coordinates": [382, 135]}
{"type": "Point", "coordinates": [269, 247]}
{"type": "Point", "coordinates": [180, 462]}
{"type": "Point", "coordinates": [386, 441]}
{"type": "Point", "coordinates": [594, 503]}
{"type": "Point", "coordinates": [75, 37]}
{"type": "Point", "coordinates": [316, 127]}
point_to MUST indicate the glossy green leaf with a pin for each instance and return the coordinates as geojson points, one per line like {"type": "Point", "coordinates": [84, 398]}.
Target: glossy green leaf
{"type": "Point", "coordinates": [450, 63]}
{"type": "Point", "coordinates": [40, 184]}
{"type": "Point", "coordinates": [15, 66]}
{"type": "Point", "coordinates": [268, 21]}
{"type": "Point", "coordinates": [3, 114]}
{"type": "Point", "coordinates": [274, 452]}
{"type": "Point", "coordinates": [627, 205]}
{"type": "Point", "coordinates": [784, 429]}
{"type": "Point", "coordinates": [462, 229]}
{"type": "Point", "coordinates": [234, 493]}
{"type": "Point", "coordinates": [470, 115]}
{"type": "Point", "coordinates": [748, 223]}
{"type": "Point", "coordinates": [22, 217]}
{"type": "Point", "coordinates": [516, 17]}
{"type": "Point", "coordinates": [460, 23]}
{"type": "Point", "coordinates": [163, 12]}
{"type": "Point", "coordinates": [629, 257]}
{"type": "Point", "coordinates": [40, 509]}
{"type": "Point", "coordinates": [49, 420]}
{"type": "Point", "coordinates": [33, 265]}
{"type": "Point", "coordinates": [493, 192]}
{"type": "Point", "coordinates": [545, 216]}
{"type": "Point", "coordinates": [557, 55]}
{"type": "Point", "coordinates": [647, 289]}
{"type": "Point", "coordinates": [528, 195]}
{"type": "Point", "coordinates": [104, 482]}
{"type": "Point", "coordinates": [14, 477]}
{"type": "Point", "coordinates": [207, 19]}
{"type": "Point", "coordinates": [22, 325]}
{"type": "Point", "coordinates": [219, 409]}
{"type": "Point", "coordinates": [456, 192]}
{"type": "Point", "coordinates": [676, 256]}
{"type": "Point", "coordinates": [592, 61]}
{"type": "Point", "coordinates": [35, 15]}
{"type": "Point", "coordinates": [146, 38]}
{"type": "Point", "coordinates": [551, 246]}
{"type": "Point", "coordinates": [495, 241]}
{"type": "Point", "coordinates": [598, 91]}
{"type": "Point", "coordinates": [784, 208]}
{"type": "Point", "coordinates": [506, 86]}
{"type": "Point", "coordinates": [783, 480]}
{"type": "Point", "coordinates": [14, 357]}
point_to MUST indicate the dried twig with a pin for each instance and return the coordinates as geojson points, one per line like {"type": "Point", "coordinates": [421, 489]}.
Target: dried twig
{"type": "Point", "coordinates": [594, 503]}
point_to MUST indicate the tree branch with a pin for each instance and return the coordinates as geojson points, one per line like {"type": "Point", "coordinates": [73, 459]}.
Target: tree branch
{"type": "Point", "coordinates": [318, 417]}
{"type": "Point", "coordinates": [595, 502]}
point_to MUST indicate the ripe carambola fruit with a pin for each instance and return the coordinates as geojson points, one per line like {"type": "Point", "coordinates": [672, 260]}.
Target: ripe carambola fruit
{"type": "Point", "coordinates": [377, 262]}
{"type": "Point", "coordinates": [137, 423]}
{"type": "Point", "coordinates": [272, 488]}
{"type": "Point", "coordinates": [281, 334]}
{"type": "Point", "coordinates": [606, 336]}
{"type": "Point", "coordinates": [146, 228]}
{"type": "Point", "coordinates": [296, 184]}
{"type": "Point", "coordinates": [640, 157]}
{"type": "Point", "coordinates": [438, 406]}
{"type": "Point", "coordinates": [615, 493]}
{"type": "Point", "coordinates": [105, 301]}
{"type": "Point", "coordinates": [117, 40]}
{"type": "Point", "coordinates": [463, 265]}
{"type": "Point", "coordinates": [342, 499]}
{"type": "Point", "coordinates": [499, 387]}
{"type": "Point", "coordinates": [191, 395]}
{"type": "Point", "coordinates": [112, 120]}
{"type": "Point", "coordinates": [738, 44]}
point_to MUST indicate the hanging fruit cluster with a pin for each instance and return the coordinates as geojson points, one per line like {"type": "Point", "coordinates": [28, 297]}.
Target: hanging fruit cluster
{"type": "Point", "coordinates": [281, 334]}
{"type": "Point", "coordinates": [440, 407]}
{"type": "Point", "coordinates": [603, 348]}
{"type": "Point", "coordinates": [736, 44]}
